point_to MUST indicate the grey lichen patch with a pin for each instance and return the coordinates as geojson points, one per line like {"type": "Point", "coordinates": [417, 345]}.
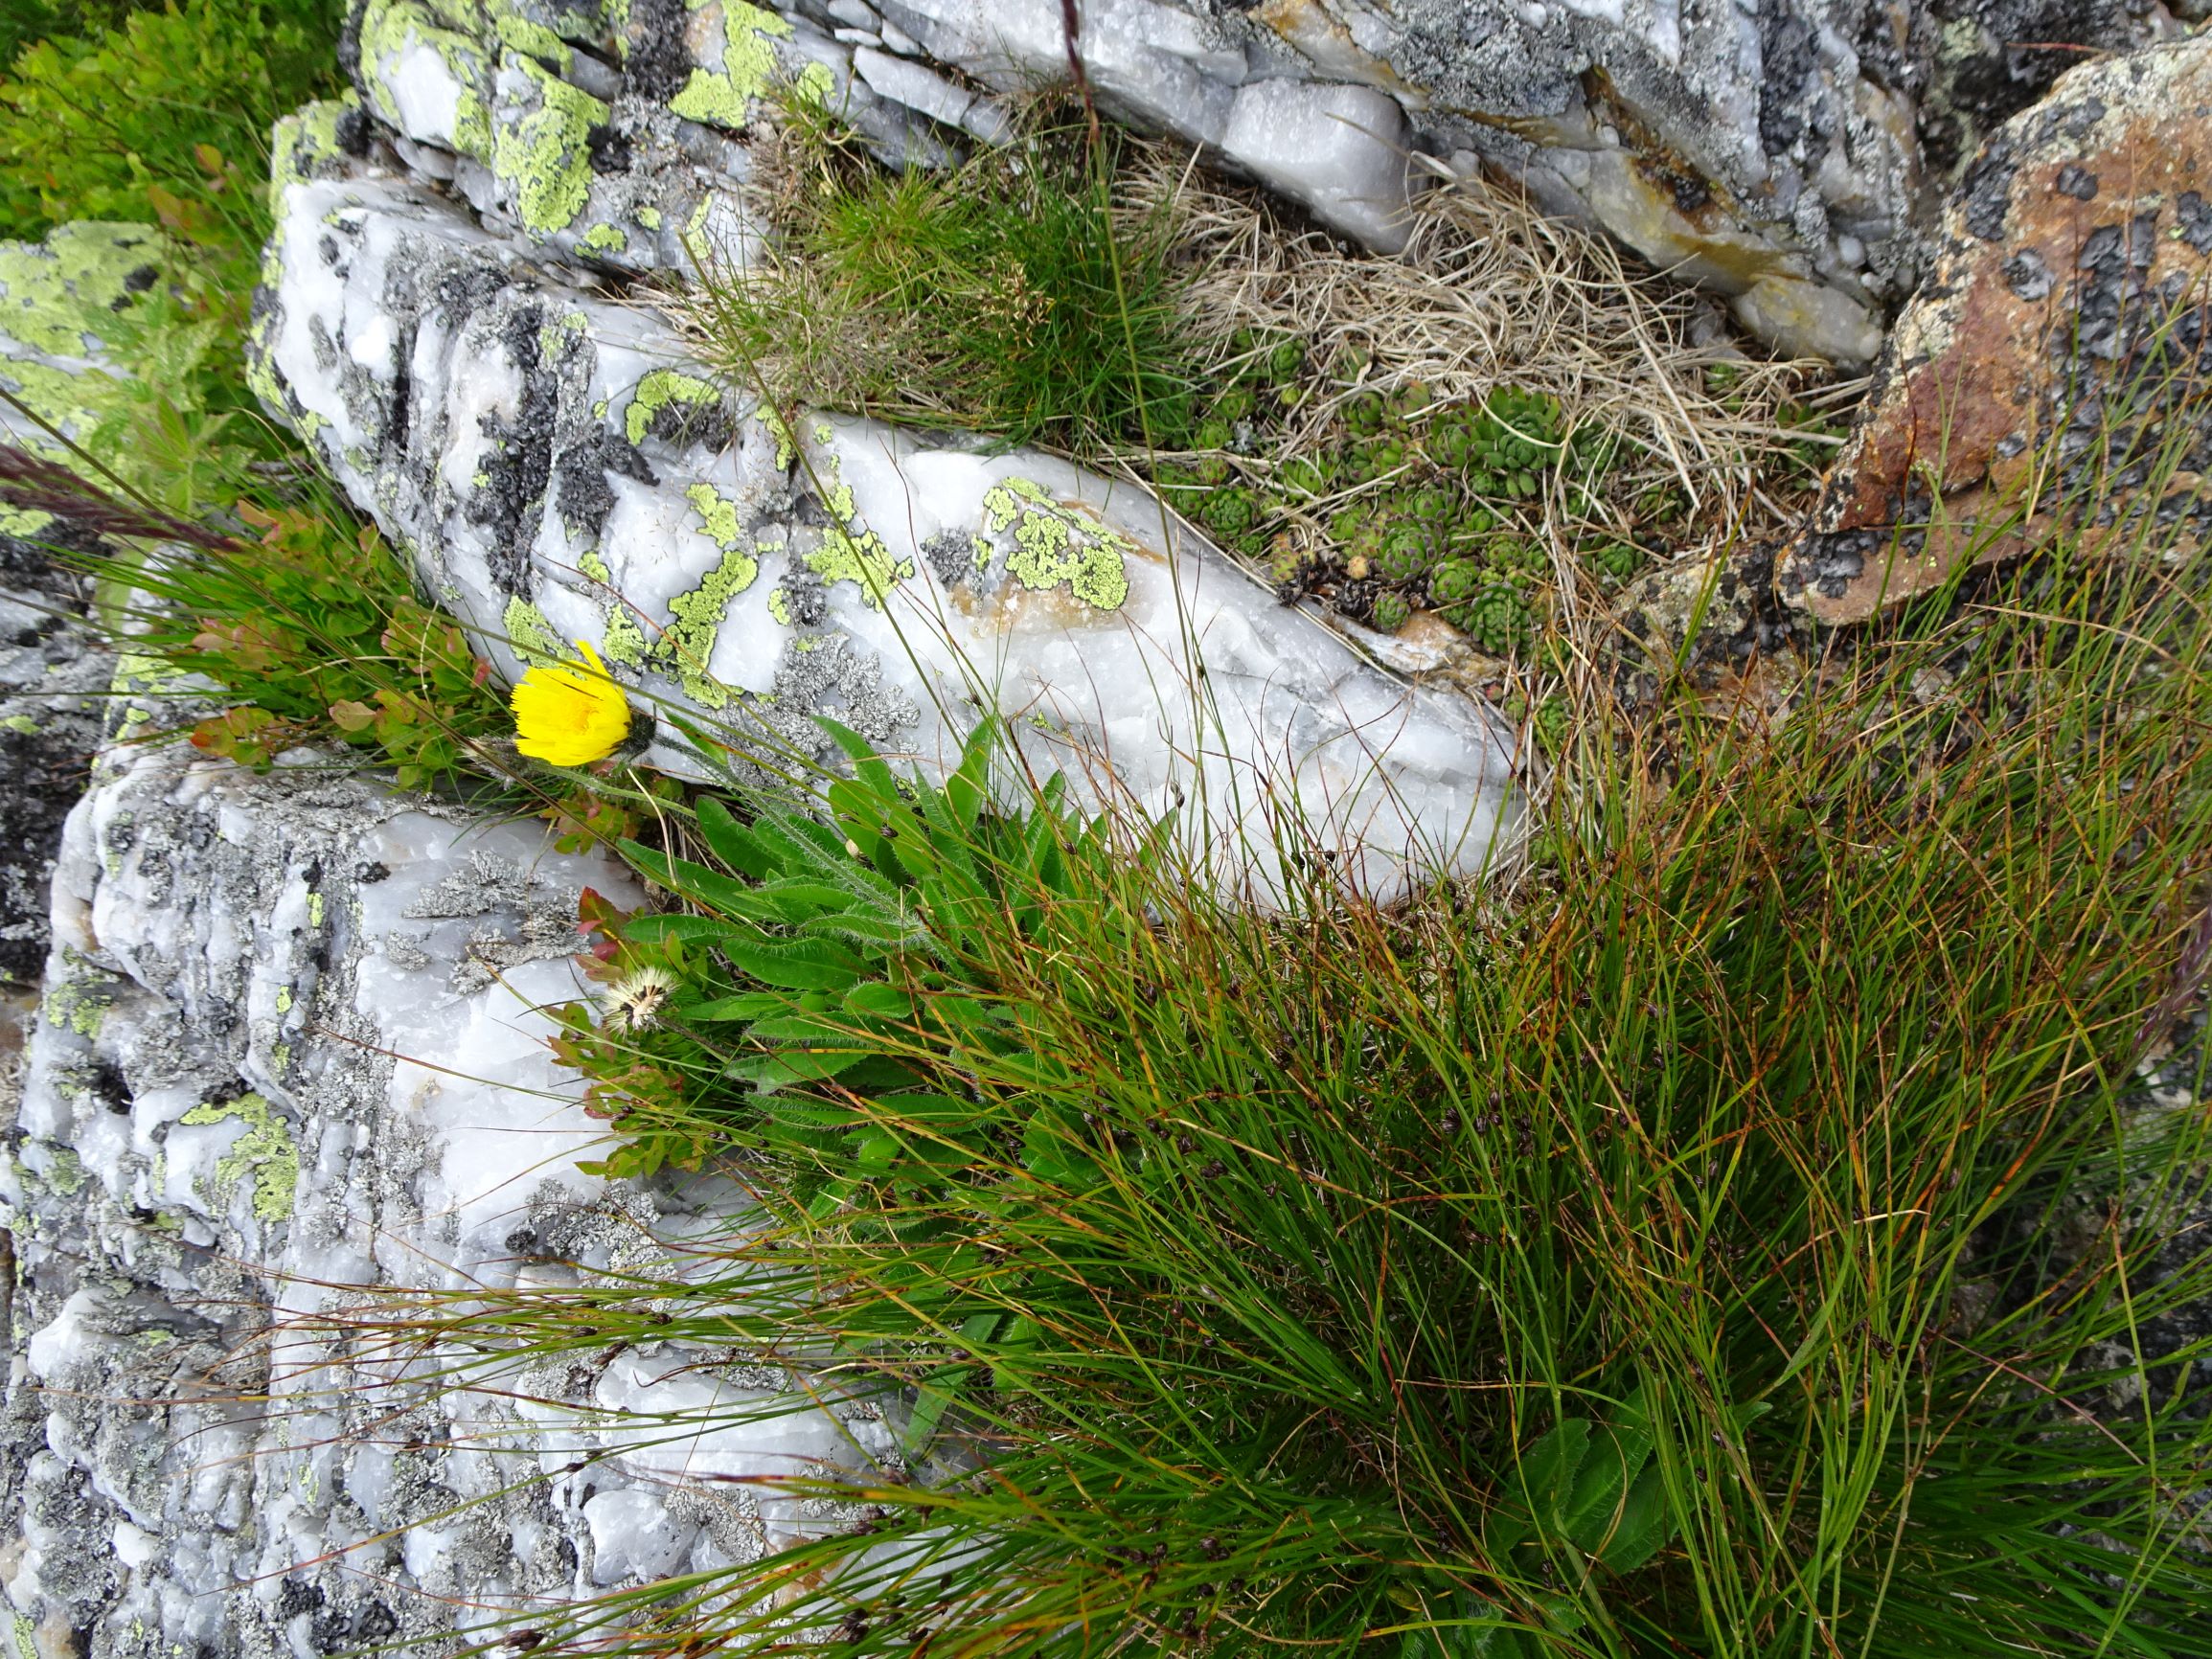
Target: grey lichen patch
{"type": "Point", "coordinates": [1058, 545]}
{"type": "Point", "coordinates": [267, 1152]}
{"type": "Point", "coordinates": [541, 161]}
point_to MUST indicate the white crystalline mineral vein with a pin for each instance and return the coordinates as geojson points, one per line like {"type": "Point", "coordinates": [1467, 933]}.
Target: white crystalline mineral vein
{"type": "Point", "coordinates": [561, 475]}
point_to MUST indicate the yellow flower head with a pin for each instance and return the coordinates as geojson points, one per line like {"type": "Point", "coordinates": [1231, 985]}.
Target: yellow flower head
{"type": "Point", "coordinates": [570, 714]}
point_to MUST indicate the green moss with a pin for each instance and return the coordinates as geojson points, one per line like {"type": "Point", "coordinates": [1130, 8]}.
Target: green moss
{"type": "Point", "coordinates": [530, 634]}
{"type": "Point", "coordinates": [656, 390]}
{"type": "Point", "coordinates": [1056, 544]}
{"type": "Point", "coordinates": [540, 159]}
{"type": "Point", "coordinates": [723, 97]}
{"type": "Point", "coordinates": [266, 1151]}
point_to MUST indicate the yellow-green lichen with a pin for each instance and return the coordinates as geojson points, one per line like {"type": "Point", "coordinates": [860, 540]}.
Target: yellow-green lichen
{"type": "Point", "coordinates": [315, 910]}
{"type": "Point", "coordinates": [388, 29]}
{"type": "Point", "coordinates": [864, 559]}
{"type": "Point", "coordinates": [624, 641]}
{"type": "Point", "coordinates": [779, 429]}
{"type": "Point", "coordinates": [592, 565]}
{"type": "Point", "coordinates": [604, 238]}
{"type": "Point", "coordinates": [1057, 545]}
{"type": "Point", "coordinates": [722, 98]}
{"type": "Point", "coordinates": [65, 1172]}
{"type": "Point", "coordinates": [648, 218]}
{"type": "Point", "coordinates": [284, 997]}
{"type": "Point", "coordinates": [265, 1151]}
{"type": "Point", "coordinates": [780, 607]}
{"type": "Point", "coordinates": [814, 83]}
{"type": "Point", "coordinates": [540, 160]}
{"type": "Point", "coordinates": [527, 35]}
{"type": "Point", "coordinates": [55, 295]}
{"type": "Point", "coordinates": [80, 1001]}
{"type": "Point", "coordinates": [656, 390]}
{"type": "Point", "coordinates": [530, 634]}
{"type": "Point", "coordinates": [696, 617]}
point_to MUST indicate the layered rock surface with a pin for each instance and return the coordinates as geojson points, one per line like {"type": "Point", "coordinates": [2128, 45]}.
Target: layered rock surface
{"type": "Point", "coordinates": [1788, 155]}
{"type": "Point", "coordinates": [290, 1057]}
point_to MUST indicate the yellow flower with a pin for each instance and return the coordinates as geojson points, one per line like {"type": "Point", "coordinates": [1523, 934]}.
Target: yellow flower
{"type": "Point", "coordinates": [569, 715]}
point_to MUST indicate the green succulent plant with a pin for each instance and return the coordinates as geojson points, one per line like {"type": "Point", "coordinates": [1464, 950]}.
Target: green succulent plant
{"type": "Point", "coordinates": [1391, 613]}
{"type": "Point", "coordinates": [1614, 562]}
{"type": "Point", "coordinates": [1407, 550]}
{"type": "Point", "coordinates": [1230, 513]}
{"type": "Point", "coordinates": [1365, 416]}
{"type": "Point", "coordinates": [1456, 580]}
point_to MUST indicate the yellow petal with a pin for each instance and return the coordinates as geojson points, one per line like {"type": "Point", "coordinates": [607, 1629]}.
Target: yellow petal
{"type": "Point", "coordinates": [568, 715]}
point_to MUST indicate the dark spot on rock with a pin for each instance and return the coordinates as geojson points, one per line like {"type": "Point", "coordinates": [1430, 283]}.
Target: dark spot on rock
{"type": "Point", "coordinates": [607, 150]}
{"type": "Point", "coordinates": [351, 132]}
{"type": "Point", "coordinates": [520, 463]}
{"type": "Point", "coordinates": [369, 873]}
{"type": "Point", "coordinates": [461, 289]}
{"type": "Point", "coordinates": [297, 1597]}
{"type": "Point", "coordinates": [655, 59]}
{"type": "Point", "coordinates": [2077, 181]}
{"type": "Point", "coordinates": [2027, 275]}
{"type": "Point", "coordinates": [583, 495]}
{"type": "Point", "coordinates": [1986, 190]}
{"type": "Point", "coordinates": [108, 1085]}
{"type": "Point", "coordinates": [1833, 562]}
{"type": "Point", "coordinates": [328, 248]}
{"type": "Point", "coordinates": [1789, 53]}
{"type": "Point", "coordinates": [373, 1621]}
{"type": "Point", "coordinates": [1690, 193]}
{"type": "Point", "coordinates": [2194, 219]}
{"type": "Point", "coordinates": [951, 555]}
{"type": "Point", "coordinates": [142, 279]}
{"type": "Point", "coordinates": [2077, 121]}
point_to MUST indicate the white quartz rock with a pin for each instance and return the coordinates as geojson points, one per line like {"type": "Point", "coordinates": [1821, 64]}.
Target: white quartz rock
{"type": "Point", "coordinates": [633, 1534]}
{"type": "Point", "coordinates": [561, 475]}
{"type": "Point", "coordinates": [1342, 150]}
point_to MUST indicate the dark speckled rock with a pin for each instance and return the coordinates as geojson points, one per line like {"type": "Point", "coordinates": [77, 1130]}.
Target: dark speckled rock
{"type": "Point", "coordinates": [2061, 339]}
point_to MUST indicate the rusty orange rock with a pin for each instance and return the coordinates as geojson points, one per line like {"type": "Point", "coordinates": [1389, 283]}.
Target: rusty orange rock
{"type": "Point", "coordinates": [2058, 351]}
